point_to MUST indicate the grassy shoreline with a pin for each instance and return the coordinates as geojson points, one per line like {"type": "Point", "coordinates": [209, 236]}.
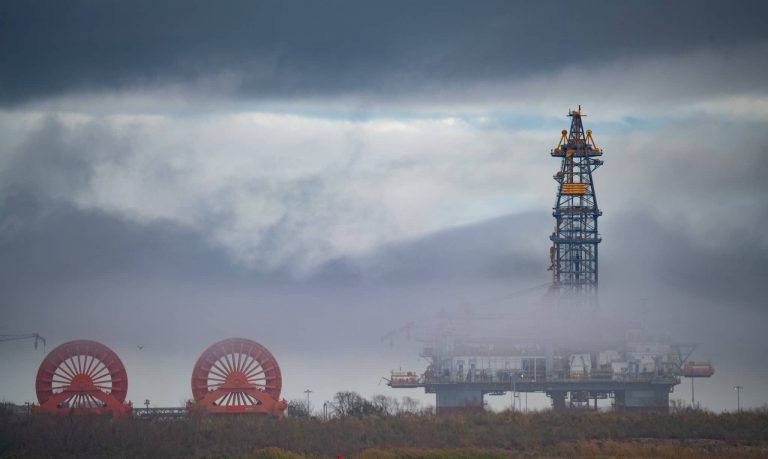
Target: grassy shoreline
{"type": "Point", "coordinates": [542, 434]}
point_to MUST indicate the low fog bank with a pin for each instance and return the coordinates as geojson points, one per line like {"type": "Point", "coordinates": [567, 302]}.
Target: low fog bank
{"type": "Point", "coordinates": [166, 291]}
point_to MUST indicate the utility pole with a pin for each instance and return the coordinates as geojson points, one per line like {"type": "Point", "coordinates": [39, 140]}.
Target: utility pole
{"type": "Point", "coordinates": [308, 392]}
{"type": "Point", "coordinates": [738, 397]}
{"type": "Point", "coordinates": [514, 390]}
{"type": "Point", "coordinates": [515, 395]}
{"type": "Point", "coordinates": [693, 399]}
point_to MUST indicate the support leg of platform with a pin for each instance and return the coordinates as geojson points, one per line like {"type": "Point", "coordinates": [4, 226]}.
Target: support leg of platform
{"type": "Point", "coordinates": [558, 400]}
{"type": "Point", "coordinates": [451, 399]}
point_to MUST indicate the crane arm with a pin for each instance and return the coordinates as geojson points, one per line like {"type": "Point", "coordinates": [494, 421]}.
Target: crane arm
{"type": "Point", "coordinates": [36, 336]}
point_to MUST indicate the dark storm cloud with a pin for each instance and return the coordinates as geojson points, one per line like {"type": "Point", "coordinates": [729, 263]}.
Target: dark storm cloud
{"type": "Point", "coordinates": [299, 49]}
{"type": "Point", "coordinates": [45, 245]}
{"type": "Point", "coordinates": [490, 249]}
{"type": "Point", "coordinates": [641, 255]}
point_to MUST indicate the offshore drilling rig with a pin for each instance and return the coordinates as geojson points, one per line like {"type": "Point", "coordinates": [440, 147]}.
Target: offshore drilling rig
{"type": "Point", "coordinates": [633, 369]}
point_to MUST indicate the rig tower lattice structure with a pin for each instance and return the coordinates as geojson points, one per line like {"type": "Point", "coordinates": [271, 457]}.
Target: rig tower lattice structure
{"type": "Point", "coordinates": [573, 255]}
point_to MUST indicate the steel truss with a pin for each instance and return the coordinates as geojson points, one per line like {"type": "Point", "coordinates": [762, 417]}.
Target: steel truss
{"type": "Point", "coordinates": [573, 256]}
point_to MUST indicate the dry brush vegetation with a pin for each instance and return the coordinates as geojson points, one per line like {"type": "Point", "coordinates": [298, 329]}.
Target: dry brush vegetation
{"type": "Point", "coordinates": [370, 433]}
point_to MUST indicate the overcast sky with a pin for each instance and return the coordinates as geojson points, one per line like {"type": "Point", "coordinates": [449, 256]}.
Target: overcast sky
{"type": "Point", "coordinates": [313, 175]}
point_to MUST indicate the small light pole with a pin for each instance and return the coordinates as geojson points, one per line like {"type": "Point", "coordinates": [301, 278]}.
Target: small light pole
{"type": "Point", "coordinates": [514, 389]}
{"type": "Point", "coordinates": [693, 399]}
{"type": "Point", "coordinates": [515, 396]}
{"type": "Point", "coordinates": [738, 390]}
{"type": "Point", "coordinates": [146, 403]}
{"type": "Point", "coordinates": [325, 411]}
{"type": "Point", "coordinates": [307, 392]}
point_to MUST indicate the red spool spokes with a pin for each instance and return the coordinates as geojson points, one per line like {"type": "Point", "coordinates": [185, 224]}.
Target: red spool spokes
{"type": "Point", "coordinates": [234, 368]}
{"type": "Point", "coordinates": [79, 374]}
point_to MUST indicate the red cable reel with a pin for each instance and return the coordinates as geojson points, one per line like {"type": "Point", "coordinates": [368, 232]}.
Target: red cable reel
{"type": "Point", "coordinates": [237, 375]}
{"type": "Point", "coordinates": [82, 377]}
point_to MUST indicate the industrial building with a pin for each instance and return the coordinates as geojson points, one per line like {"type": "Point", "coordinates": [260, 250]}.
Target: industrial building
{"type": "Point", "coordinates": [634, 369]}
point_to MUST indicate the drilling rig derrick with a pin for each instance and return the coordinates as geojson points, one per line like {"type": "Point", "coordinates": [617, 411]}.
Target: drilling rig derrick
{"type": "Point", "coordinates": [573, 255]}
